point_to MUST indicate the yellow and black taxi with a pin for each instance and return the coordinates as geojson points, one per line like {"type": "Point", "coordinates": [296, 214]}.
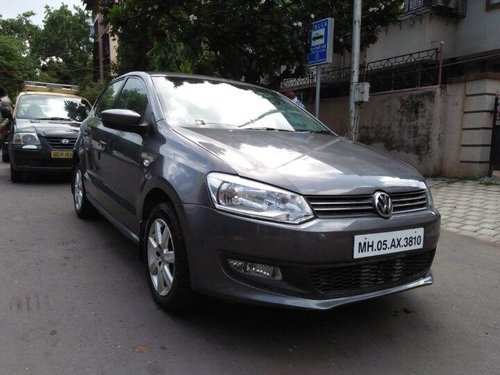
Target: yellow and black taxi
{"type": "Point", "coordinates": [46, 122]}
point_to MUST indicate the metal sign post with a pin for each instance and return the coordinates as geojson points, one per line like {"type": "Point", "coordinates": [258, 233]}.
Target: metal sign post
{"type": "Point", "coordinates": [321, 50]}
{"type": "Point", "coordinates": [318, 87]}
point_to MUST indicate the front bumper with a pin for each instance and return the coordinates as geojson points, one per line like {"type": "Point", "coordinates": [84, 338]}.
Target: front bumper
{"type": "Point", "coordinates": [310, 256]}
{"type": "Point", "coordinates": [37, 160]}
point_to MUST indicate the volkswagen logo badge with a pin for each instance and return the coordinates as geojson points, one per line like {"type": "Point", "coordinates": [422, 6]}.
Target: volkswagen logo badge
{"type": "Point", "coordinates": [65, 141]}
{"type": "Point", "coordinates": [383, 204]}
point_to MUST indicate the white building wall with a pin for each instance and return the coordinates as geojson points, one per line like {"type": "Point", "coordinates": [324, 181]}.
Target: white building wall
{"type": "Point", "coordinates": [478, 32]}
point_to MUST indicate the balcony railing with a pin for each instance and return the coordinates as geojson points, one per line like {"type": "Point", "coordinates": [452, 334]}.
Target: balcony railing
{"type": "Point", "coordinates": [412, 70]}
{"type": "Point", "coordinates": [452, 8]}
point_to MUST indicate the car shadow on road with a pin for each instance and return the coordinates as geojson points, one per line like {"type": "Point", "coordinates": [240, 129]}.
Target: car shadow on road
{"type": "Point", "coordinates": [47, 179]}
{"type": "Point", "coordinates": [290, 336]}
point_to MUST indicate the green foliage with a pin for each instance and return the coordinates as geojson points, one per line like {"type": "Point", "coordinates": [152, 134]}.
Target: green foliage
{"type": "Point", "coordinates": [15, 65]}
{"type": "Point", "coordinates": [90, 90]}
{"type": "Point", "coordinates": [60, 51]}
{"type": "Point", "coordinates": [16, 62]}
{"type": "Point", "coordinates": [64, 46]}
{"type": "Point", "coordinates": [230, 38]}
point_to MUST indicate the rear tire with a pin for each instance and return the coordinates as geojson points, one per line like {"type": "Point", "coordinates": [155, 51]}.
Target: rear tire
{"type": "Point", "coordinates": [167, 267]}
{"type": "Point", "coordinates": [83, 208]}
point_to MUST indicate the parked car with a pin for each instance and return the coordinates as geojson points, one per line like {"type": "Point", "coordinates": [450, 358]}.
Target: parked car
{"type": "Point", "coordinates": [46, 123]}
{"type": "Point", "coordinates": [233, 191]}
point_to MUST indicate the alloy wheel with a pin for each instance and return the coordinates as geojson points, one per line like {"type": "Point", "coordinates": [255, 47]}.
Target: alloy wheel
{"type": "Point", "coordinates": [161, 256]}
{"type": "Point", "coordinates": [78, 190]}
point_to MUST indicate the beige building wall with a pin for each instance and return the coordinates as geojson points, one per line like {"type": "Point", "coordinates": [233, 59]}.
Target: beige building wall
{"type": "Point", "coordinates": [439, 131]}
{"type": "Point", "coordinates": [478, 32]}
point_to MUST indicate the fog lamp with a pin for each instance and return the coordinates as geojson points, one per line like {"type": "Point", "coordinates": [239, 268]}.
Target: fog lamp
{"type": "Point", "coordinates": [255, 269]}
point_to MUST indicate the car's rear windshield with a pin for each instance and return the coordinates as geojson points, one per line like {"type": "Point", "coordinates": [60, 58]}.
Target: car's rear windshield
{"type": "Point", "coordinates": [52, 107]}
{"type": "Point", "coordinates": [197, 102]}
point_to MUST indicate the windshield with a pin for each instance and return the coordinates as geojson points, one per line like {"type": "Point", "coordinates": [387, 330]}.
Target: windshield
{"type": "Point", "coordinates": [195, 102]}
{"type": "Point", "coordinates": [52, 107]}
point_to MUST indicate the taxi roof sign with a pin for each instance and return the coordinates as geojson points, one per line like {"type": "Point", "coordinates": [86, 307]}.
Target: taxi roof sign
{"type": "Point", "coordinates": [50, 87]}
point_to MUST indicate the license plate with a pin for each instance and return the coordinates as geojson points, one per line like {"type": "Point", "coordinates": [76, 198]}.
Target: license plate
{"type": "Point", "coordinates": [367, 245]}
{"type": "Point", "coordinates": [62, 154]}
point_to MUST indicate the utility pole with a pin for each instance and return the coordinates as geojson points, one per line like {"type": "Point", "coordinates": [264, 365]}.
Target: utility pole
{"type": "Point", "coordinates": [356, 31]}
{"type": "Point", "coordinates": [318, 90]}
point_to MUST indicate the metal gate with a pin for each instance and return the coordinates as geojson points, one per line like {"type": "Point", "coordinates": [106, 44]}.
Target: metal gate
{"type": "Point", "coordinates": [495, 140]}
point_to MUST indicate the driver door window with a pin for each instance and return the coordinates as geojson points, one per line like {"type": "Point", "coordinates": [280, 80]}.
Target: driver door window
{"type": "Point", "coordinates": [107, 98]}
{"type": "Point", "coordinates": [133, 96]}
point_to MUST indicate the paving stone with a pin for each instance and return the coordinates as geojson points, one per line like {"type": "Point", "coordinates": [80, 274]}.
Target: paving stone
{"type": "Point", "coordinates": [469, 228]}
{"type": "Point", "coordinates": [468, 207]}
{"type": "Point", "coordinates": [467, 233]}
{"type": "Point", "coordinates": [487, 232]}
{"type": "Point", "coordinates": [492, 226]}
{"type": "Point", "coordinates": [452, 224]}
{"type": "Point", "coordinates": [484, 238]}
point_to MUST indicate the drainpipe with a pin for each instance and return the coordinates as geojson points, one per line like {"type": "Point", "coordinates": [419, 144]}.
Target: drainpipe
{"type": "Point", "coordinates": [440, 73]}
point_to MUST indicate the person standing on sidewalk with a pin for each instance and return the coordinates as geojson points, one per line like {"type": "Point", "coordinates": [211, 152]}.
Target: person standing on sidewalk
{"type": "Point", "coordinates": [291, 95]}
{"type": "Point", "coordinates": [5, 103]}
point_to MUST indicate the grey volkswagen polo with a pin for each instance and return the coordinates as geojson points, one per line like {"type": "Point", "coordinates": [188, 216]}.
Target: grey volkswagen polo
{"type": "Point", "coordinates": [233, 191]}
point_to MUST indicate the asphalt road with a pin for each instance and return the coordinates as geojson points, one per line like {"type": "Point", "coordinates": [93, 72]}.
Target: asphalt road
{"type": "Point", "coordinates": [75, 301]}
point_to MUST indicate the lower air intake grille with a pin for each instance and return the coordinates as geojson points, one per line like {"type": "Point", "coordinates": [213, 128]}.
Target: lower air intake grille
{"type": "Point", "coordinates": [375, 274]}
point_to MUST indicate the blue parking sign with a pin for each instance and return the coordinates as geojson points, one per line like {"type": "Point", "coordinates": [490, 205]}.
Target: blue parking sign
{"type": "Point", "coordinates": [321, 42]}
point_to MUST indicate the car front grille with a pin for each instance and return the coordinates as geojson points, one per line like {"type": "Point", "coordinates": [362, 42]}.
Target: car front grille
{"type": "Point", "coordinates": [370, 275]}
{"type": "Point", "coordinates": [362, 205]}
{"type": "Point", "coordinates": [55, 143]}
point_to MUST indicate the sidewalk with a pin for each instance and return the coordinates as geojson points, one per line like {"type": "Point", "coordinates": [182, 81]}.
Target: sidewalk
{"type": "Point", "coordinates": [469, 207]}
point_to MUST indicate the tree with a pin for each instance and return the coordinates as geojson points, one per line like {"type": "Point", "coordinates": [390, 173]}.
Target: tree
{"type": "Point", "coordinates": [231, 38]}
{"type": "Point", "coordinates": [15, 65]}
{"type": "Point", "coordinates": [16, 62]}
{"type": "Point", "coordinates": [59, 52]}
{"type": "Point", "coordinates": [64, 46]}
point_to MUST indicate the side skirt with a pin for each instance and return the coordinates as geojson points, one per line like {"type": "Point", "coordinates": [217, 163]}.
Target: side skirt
{"type": "Point", "coordinates": [122, 228]}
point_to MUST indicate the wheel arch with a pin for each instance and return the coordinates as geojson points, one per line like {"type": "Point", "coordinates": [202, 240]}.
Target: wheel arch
{"type": "Point", "coordinates": [157, 192]}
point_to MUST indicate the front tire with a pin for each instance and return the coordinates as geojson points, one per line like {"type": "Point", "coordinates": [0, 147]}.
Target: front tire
{"type": "Point", "coordinates": [166, 260]}
{"type": "Point", "coordinates": [15, 176]}
{"type": "Point", "coordinates": [83, 208]}
{"type": "Point", "coordinates": [5, 154]}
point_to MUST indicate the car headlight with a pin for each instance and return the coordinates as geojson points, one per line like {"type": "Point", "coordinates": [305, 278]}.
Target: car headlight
{"type": "Point", "coordinates": [246, 197]}
{"type": "Point", "coordinates": [25, 139]}
{"type": "Point", "coordinates": [430, 200]}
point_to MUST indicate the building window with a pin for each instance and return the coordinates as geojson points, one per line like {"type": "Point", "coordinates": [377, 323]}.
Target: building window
{"type": "Point", "coordinates": [492, 4]}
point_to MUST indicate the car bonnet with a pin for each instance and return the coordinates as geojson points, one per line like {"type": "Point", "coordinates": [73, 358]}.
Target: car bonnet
{"type": "Point", "coordinates": [308, 163]}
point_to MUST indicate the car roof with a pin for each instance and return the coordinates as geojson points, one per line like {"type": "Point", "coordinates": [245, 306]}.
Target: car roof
{"type": "Point", "coordinates": [190, 76]}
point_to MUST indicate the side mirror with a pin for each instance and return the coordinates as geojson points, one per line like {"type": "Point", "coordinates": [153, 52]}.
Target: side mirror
{"type": "Point", "coordinates": [6, 113]}
{"type": "Point", "coordinates": [122, 119]}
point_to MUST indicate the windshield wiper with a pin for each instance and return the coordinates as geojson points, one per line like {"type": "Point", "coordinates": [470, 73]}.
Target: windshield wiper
{"type": "Point", "coordinates": [55, 118]}
{"type": "Point", "coordinates": [315, 131]}
{"type": "Point", "coordinates": [269, 129]}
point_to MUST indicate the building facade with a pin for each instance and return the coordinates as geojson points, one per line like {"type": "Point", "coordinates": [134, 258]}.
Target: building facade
{"type": "Point", "coordinates": [105, 45]}
{"type": "Point", "coordinates": [435, 79]}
